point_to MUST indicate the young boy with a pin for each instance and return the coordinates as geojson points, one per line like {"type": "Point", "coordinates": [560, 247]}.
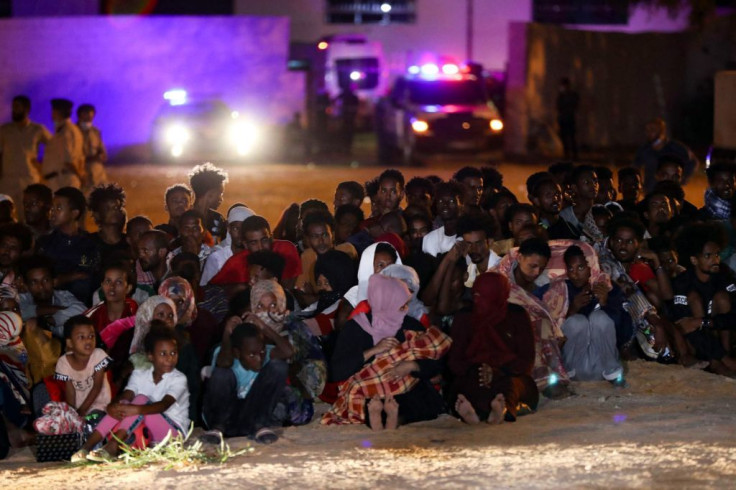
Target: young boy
{"type": "Point", "coordinates": [594, 317]}
{"type": "Point", "coordinates": [208, 183]}
{"type": "Point", "coordinates": [75, 254]}
{"type": "Point", "coordinates": [191, 238]}
{"type": "Point", "coordinates": [247, 380]}
{"type": "Point", "coordinates": [37, 199]}
{"type": "Point", "coordinates": [107, 203]}
{"type": "Point", "coordinates": [177, 200]}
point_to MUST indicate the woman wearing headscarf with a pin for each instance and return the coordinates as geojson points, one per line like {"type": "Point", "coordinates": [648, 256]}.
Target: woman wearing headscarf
{"type": "Point", "coordinates": [14, 385]}
{"type": "Point", "coordinates": [41, 347]}
{"type": "Point", "coordinates": [410, 277]}
{"type": "Point", "coordinates": [374, 259]}
{"type": "Point", "coordinates": [202, 328]}
{"type": "Point", "coordinates": [371, 338]}
{"type": "Point", "coordinates": [308, 369]}
{"type": "Point", "coordinates": [125, 336]}
{"type": "Point", "coordinates": [492, 355]}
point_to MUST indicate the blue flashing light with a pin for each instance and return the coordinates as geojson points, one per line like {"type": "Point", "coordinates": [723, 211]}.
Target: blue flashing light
{"type": "Point", "coordinates": [432, 108]}
{"type": "Point", "coordinates": [176, 96]}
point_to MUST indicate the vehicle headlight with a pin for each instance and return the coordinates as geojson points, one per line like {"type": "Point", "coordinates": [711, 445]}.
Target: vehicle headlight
{"type": "Point", "coordinates": [244, 136]}
{"type": "Point", "coordinates": [496, 125]}
{"type": "Point", "coordinates": [419, 126]}
{"type": "Point", "coordinates": [177, 135]}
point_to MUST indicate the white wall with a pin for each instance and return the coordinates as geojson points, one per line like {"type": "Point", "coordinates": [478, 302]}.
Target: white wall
{"type": "Point", "coordinates": [440, 27]}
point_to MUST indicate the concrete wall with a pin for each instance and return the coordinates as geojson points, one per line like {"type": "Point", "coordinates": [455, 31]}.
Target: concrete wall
{"type": "Point", "coordinates": [123, 65]}
{"type": "Point", "coordinates": [440, 27]}
{"type": "Point", "coordinates": [623, 80]}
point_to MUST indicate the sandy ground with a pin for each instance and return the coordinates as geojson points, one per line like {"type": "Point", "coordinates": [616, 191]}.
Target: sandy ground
{"type": "Point", "coordinates": [673, 427]}
{"type": "Point", "coordinates": [270, 187]}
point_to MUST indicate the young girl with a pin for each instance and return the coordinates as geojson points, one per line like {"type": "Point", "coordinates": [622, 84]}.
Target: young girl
{"type": "Point", "coordinates": [118, 282]}
{"type": "Point", "coordinates": [82, 368]}
{"type": "Point", "coordinates": [157, 396]}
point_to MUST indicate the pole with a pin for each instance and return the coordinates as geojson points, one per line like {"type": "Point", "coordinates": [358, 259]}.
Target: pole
{"type": "Point", "coordinates": [469, 31]}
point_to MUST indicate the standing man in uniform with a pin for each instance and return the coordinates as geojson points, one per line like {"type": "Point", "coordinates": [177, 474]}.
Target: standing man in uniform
{"type": "Point", "coordinates": [19, 143]}
{"type": "Point", "coordinates": [63, 164]}
{"type": "Point", "coordinates": [95, 154]}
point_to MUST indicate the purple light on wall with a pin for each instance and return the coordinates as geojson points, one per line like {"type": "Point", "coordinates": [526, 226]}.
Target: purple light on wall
{"type": "Point", "coordinates": [123, 65]}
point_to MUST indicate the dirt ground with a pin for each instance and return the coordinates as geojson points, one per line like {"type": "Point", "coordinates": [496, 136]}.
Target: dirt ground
{"type": "Point", "coordinates": [673, 427]}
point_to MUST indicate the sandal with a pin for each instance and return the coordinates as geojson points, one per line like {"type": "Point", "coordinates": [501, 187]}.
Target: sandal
{"type": "Point", "coordinates": [266, 436]}
{"type": "Point", "coordinates": [80, 456]}
{"type": "Point", "coordinates": [100, 456]}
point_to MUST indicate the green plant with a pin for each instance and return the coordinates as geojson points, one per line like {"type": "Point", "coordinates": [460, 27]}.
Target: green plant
{"type": "Point", "coordinates": [172, 452]}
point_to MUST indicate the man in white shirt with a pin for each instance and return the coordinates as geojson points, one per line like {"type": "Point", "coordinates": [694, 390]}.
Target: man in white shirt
{"type": "Point", "coordinates": [448, 201]}
{"type": "Point", "coordinates": [477, 232]}
{"type": "Point", "coordinates": [20, 140]}
{"type": "Point", "coordinates": [231, 245]}
{"type": "Point", "coordinates": [51, 307]}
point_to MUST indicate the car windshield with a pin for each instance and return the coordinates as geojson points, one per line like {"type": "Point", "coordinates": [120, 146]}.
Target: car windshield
{"type": "Point", "coordinates": [197, 110]}
{"type": "Point", "coordinates": [446, 92]}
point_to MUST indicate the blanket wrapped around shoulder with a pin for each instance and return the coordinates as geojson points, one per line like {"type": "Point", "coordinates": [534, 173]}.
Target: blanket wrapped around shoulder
{"type": "Point", "coordinates": [349, 408]}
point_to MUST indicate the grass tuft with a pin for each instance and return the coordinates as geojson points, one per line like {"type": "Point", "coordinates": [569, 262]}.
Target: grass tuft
{"type": "Point", "coordinates": [172, 452]}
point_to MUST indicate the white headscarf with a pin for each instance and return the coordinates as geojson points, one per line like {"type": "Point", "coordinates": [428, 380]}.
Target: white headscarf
{"type": "Point", "coordinates": [238, 213]}
{"type": "Point", "coordinates": [143, 318]}
{"type": "Point", "coordinates": [358, 293]}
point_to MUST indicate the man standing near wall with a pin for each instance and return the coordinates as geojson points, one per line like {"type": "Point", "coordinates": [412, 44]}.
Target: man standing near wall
{"type": "Point", "coordinates": [19, 143]}
{"type": "Point", "coordinates": [63, 164]}
{"type": "Point", "coordinates": [567, 107]}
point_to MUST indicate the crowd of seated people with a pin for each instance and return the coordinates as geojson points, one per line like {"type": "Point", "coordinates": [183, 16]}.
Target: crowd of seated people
{"type": "Point", "coordinates": [446, 297]}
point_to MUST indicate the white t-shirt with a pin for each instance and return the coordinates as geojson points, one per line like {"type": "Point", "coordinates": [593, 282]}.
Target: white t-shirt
{"type": "Point", "coordinates": [436, 242]}
{"type": "Point", "coordinates": [473, 271]}
{"type": "Point", "coordinates": [173, 383]}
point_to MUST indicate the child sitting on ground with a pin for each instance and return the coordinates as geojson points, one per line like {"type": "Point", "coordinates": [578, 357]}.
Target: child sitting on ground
{"type": "Point", "coordinates": [247, 380]}
{"type": "Point", "coordinates": [83, 368]}
{"type": "Point", "coordinates": [157, 396]}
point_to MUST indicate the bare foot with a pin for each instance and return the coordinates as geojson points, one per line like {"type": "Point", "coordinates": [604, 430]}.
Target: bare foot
{"type": "Point", "coordinates": [375, 407]}
{"type": "Point", "coordinates": [392, 413]}
{"type": "Point", "coordinates": [466, 411]}
{"type": "Point", "coordinates": [497, 407]}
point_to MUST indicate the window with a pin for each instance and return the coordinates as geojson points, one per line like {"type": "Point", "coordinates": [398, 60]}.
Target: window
{"type": "Point", "coordinates": [371, 11]}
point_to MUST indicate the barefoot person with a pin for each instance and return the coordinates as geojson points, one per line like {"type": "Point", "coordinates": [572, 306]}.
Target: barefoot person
{"type": "Point", "coordinates": [386, 360]}
{"type": "Point", "coordinates": [492, 355]}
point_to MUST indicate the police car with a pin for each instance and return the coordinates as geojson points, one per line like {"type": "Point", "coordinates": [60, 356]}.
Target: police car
{"type": "Point", "coordinates": [436, 108]}
{"type": "Point", "coordinates": [194, 129]}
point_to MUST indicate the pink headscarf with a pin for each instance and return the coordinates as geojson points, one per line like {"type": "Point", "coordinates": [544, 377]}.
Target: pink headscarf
{"type": "Point", "coordinates": [386, 296]}
{"type": "Point", "coordinates": [186, 311]}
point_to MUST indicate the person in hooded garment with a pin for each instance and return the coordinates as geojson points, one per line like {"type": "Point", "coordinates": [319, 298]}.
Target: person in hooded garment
{"type": "Point", "coordinates": [377, 332]}
{"type": "Point", "coordinates": [307, 366]}
{"type": "Point", "coordinates": [336, 274]}
{"type": "Point", "coordinates": [492, 355]}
